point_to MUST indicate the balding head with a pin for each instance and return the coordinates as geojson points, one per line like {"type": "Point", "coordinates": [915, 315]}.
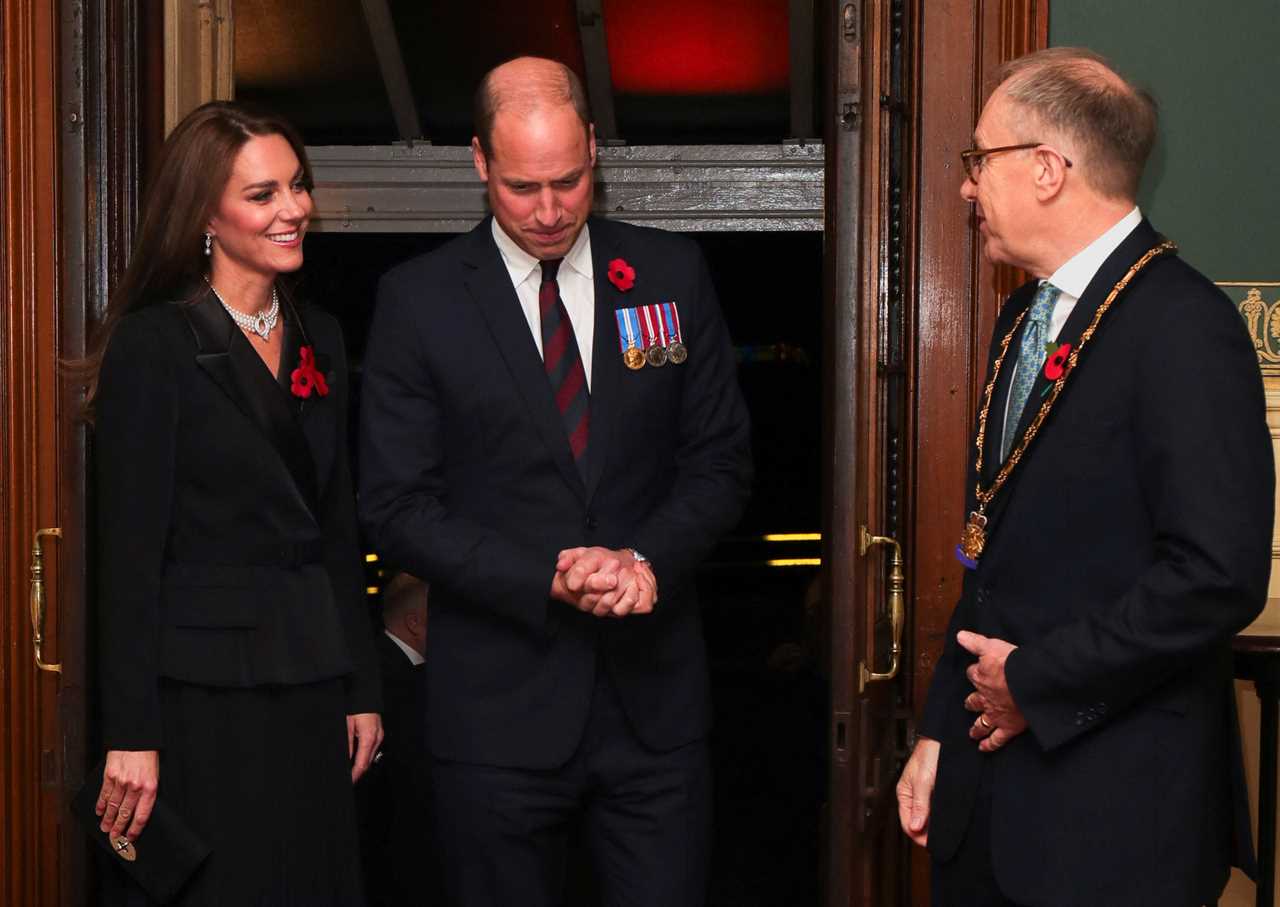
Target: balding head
{"type": "Point", "coordinates": [525, 86]}
{"type": "Point", "coordinates": [1075, 93]}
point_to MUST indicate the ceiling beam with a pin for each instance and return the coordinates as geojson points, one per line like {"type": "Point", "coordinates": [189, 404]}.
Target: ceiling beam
{"type": "Point", "coordinates": [802, 85]}
{"type": "Point", "coordinates": [595, 53]}
{"type": "Point", "coordinates": [382, 32]}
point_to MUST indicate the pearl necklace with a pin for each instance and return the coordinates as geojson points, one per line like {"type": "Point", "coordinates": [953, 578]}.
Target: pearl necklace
{"type": "Point", "coordinates": [262, 324]}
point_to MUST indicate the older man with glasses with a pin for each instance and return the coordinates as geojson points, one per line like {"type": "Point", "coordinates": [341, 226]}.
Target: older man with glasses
{"type": "Point", "coordinates": [1079, 742]}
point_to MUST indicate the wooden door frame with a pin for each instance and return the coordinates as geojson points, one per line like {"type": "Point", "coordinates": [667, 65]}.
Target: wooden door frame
{"type": "Point", "coordinates": [29, 222]}
{"type": "Point", "coordinates": [952, 298]}
{"type": "Point", "coordinates": [69, 165]}
{"type": "Point", "coordinates": [961, 46]}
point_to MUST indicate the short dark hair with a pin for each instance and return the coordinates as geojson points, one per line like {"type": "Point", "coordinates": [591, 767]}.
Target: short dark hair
{"type": "Point", "coordinates": [405, 591]}
{"type": "Point", "coordinates": [1077, 92]}
{"type": "Point", "coordinates": [566, 88]}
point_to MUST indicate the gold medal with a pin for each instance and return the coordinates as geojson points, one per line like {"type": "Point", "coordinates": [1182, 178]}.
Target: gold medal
{"type": "Point", "coordinates": [657, 356]}
{"type": "Point", "coordinates": [974, 538]}
{"type": "Point", "coordinates": [634, 358]}
{"type": "Point", "coordinates": [677, 352]}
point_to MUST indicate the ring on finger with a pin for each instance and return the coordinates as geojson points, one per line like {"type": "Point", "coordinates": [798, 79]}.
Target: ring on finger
{"type": "Point", "coordinates": [982, 720]}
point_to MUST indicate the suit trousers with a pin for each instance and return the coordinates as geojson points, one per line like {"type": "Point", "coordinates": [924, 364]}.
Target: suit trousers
{"type": "Point", "coordinates": [968, 878]}
{"type": "Point", "coordinates": [645, 819]}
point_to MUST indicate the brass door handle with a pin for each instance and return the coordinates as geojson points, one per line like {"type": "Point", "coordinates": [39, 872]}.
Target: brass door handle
{"type": "Point", "coordinates": [897, 606]}
{"type": "Point", "coordinates": [37, 597]}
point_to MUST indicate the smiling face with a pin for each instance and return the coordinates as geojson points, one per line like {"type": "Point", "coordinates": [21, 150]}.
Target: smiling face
{"type": "Point", "coordinates": [1003, 197]}
{"type": "Point", "coordinates": [539, 177]}
{"type": "Point", "coordinates": [262, 214]}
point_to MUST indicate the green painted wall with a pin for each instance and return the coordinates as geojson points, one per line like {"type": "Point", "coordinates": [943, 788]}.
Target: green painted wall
{"type": "Point", "coordinates": [1213, 183]}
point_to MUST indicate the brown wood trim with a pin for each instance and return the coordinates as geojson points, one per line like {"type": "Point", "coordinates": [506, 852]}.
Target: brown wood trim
{"type": "Point", "coordinates": [29, 766]}
{"type": "Point", "coordinates": [959, 48]}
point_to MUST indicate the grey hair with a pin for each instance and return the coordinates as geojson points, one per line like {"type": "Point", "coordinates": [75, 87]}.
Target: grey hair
{"type": "Point", "coordinates": [1077, 93]}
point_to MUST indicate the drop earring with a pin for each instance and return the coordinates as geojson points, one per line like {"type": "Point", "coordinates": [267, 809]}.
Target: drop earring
{"type": "Point", "coordinates": [208, 244]}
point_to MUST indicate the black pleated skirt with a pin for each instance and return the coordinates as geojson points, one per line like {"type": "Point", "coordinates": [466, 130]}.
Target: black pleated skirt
{"type": "Point", "coordinates": [262, 776]}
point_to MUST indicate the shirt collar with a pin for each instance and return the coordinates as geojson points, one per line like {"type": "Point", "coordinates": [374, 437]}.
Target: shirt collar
{"type": "Point", "coordinates": [1074, 276]}
{"type": "Point", "coordinates": [520, 264]}
{"type": "Point", "coordinates": [407, 649]}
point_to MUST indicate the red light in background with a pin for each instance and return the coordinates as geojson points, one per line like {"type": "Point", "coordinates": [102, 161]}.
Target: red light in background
{"type": "Point", "coordinates": [681, 47]}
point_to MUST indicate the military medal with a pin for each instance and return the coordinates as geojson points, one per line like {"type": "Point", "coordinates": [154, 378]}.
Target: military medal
{"type": "Point", "coordinates": [655, 352]}
{"type": "Point", "coordinates": [632, 355]}
{"type": "Point", "coordinates": [974, 537]}
{"type": "Point", "coordinates": [677, 352]}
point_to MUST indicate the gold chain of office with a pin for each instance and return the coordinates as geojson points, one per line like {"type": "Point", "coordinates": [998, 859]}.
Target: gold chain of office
{"type": "Point", "coordinates": [974, 538]}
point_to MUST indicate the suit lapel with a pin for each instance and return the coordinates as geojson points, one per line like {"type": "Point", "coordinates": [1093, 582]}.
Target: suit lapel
{"type": "Point", "coordinates": [490, 287]}
{"type": "Point", "coordinates": [226, 356]}
{"type": "Point", "coordinates": [317, 415]}
{"type": "Point", "coordinates": [606, 362]}
{"type": "Point", "coordinates": [1129, 251]}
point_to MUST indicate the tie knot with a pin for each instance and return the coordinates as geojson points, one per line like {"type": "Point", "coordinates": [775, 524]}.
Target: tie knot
{"type": "Point", "coordinates": [1042, 304]}
{"type": "Point", "coordinates": [550, 268]}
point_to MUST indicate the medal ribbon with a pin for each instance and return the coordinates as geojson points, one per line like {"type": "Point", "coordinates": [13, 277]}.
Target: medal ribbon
{"type": "Point", "coordinates": [647, 334]}
{"type": "Point", "coordinates": [673, 331]}
{"type": "Point", "coordinates": [662, 327]}
{"type": "Point", "coordinates": [626, 337]}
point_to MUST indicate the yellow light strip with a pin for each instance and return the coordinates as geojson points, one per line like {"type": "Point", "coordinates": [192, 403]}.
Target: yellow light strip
{"type": "Point", "coordinates": [370, 590]}
{"type": "Point", "coordinates": [793, 537]}
{"type": "Point", "coordinates": [796, 562]}
{"type": "Point", "coordinates": [371, 559]}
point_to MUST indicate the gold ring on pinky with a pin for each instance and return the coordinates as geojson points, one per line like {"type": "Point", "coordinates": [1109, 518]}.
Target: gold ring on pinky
{"type": "Point", "coordinates": [982, 720]}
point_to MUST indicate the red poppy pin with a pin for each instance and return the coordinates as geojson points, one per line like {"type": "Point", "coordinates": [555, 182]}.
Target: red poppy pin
{"type": "Point", "coordinates": [306, 377]}
{"type": "Point", "coordinates": [1057, 361]}
{"type": "Point", "coordinates": [621, 274]}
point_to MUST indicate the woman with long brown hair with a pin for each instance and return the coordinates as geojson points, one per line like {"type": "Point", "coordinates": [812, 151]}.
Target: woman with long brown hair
{"type": "Point", "coordinates": [238, 678]}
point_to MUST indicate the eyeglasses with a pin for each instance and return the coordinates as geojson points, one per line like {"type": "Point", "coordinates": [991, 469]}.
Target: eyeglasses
{"type": "Point", "coordinates": [972, 158]}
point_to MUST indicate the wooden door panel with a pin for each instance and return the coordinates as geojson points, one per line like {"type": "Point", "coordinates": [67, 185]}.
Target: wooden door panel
{"type": "Point", "coordinates": [911, 309]}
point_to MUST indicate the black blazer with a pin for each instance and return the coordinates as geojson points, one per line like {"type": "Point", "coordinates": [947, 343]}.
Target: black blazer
{"type": "Point", "coordinates": [467, 480]}
{"type": "Point", "coordinates": [1130, 545]}
{"type": "Point", "coordinates": [228, 551]}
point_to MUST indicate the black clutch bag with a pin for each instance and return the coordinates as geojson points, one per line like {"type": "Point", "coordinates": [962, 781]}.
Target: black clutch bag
{"type": "Point", "coordinates": [165, 854]}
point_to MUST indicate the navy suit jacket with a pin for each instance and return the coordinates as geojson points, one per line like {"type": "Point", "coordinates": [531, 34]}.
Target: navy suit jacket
{"type": "Point", "coordinates": [467, 480]}
{"type": "Point", "coordinates": [1129, 546]}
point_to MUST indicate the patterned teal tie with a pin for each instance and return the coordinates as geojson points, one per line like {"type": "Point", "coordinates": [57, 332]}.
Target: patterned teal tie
{"type": "Point", "coordinates": [1031, 356]}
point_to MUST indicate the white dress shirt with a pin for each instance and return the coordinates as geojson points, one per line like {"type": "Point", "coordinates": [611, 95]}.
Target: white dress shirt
{"type": "Point", "coordinates": [410, 652]}
{"type": "Point", "coordinates": [576, 278]}
{"type": "Point", "coordinates": [1074, 276]}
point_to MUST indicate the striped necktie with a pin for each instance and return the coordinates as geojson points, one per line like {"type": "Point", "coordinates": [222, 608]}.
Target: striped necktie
{"type": "Point", "coordinates": [563, 362]}
{"type": "Point", "coordinates": [1031, 356]}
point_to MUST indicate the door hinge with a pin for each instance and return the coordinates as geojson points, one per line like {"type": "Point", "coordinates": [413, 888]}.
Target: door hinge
{"type": "Point", "coordinates": [849, 22]}
{"type": "Point", "coordinates": [850, 111]}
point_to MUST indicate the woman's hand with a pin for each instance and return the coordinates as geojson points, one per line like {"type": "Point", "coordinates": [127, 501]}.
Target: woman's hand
{"type": "Point", "coordinates": [129, 784]}
{"type": "Point", "coordinates": [364, 736]}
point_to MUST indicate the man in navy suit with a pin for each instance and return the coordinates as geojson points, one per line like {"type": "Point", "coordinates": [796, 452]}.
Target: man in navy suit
{"type": "Point", "coordinates": [1079, 743]}
{"type": "Point", "coordinates": [554, 438]}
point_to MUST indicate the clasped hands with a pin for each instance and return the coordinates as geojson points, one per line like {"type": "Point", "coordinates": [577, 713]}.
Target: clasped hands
{"type": "Point", "coordinates": [604, 582]}
{"type": "Point", "coordinates": [999, 718]}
